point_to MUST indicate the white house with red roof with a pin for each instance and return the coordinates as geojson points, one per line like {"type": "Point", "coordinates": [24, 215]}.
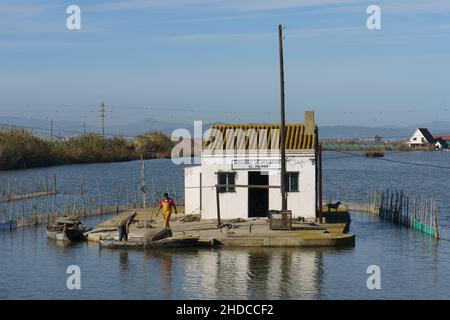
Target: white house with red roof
{"type": "Point", "coordinates": [442, 142]}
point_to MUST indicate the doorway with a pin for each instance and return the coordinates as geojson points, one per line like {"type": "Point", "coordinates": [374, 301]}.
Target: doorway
{"type": "Point", "coordinates": [258, 198]}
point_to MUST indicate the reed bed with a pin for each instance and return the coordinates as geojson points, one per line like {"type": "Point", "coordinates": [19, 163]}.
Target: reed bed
{"type": "Point", "coordinates": [20, 149]}
{"type": "Point", "coordinates": [95, 199]}
{"type": "Point", "coordinates": [14, 190]}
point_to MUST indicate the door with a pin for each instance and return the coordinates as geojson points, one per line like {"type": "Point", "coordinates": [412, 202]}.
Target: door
{"type": "Point", "coordinates": [258, 198]}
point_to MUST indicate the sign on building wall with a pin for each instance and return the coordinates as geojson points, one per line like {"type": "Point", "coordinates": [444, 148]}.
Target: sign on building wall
{"type": "Point", "coordinates": [255, 164]}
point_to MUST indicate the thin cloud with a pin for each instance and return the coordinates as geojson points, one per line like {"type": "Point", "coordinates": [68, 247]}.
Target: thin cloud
{"type": "Point", "coordinates": [149, 4]}
{"type": "Point", "coordinates": [24, 10]}
{"type": "Point", "coordinates": [227, 5]}
{"type": "Point", "coordinates": [219, 37]}
{"type": "Point", "coordinates": [397, 6]}
{"type": "Point", "coordinates": [291, 34]}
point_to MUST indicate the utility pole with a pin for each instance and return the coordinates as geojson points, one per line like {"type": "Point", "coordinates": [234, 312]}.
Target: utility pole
{"type": "Point", "coordinates": [102, 116]}
{"type": "Point", "coordinates": [283, 123]}
{"type": "Point", "coordinates": [84, 128]}
{"type": "Point", "coordinates": [51, 130]}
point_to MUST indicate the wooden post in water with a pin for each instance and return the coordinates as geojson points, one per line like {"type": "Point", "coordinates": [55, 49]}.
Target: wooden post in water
{"type": "Point", "coordinates": [353, 196]}
{"type": "Point", "coordinates": [436, 222]}
{"type": "Point", "coordinates": [143, 187]}
{"type": "Point", "coordinates": [153, 190]}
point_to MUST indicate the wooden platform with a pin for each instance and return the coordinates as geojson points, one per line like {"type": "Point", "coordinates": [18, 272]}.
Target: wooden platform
{"type": "Point", "coordinates": [250, 233]}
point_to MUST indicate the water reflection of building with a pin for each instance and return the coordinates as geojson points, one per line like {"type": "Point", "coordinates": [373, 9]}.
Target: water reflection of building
{"type": "Point", "coordinates": [259, 273]}
{"type": "Point", "coordinates": [295, 274]}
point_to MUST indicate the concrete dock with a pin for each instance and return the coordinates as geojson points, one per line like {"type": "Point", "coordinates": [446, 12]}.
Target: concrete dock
{"type": "Point", "coordinates": [252, 232]}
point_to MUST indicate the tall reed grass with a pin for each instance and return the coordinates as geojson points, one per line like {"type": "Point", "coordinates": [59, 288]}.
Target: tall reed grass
{"type": "Point", "coordinates": [21, 149]}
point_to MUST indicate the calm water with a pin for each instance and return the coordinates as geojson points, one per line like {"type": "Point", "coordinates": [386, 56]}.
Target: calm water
{"type": "Point", "coordinates": [412, 265]}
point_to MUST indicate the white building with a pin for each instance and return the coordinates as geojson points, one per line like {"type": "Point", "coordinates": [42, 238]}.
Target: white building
{"type": "Point", "coordinates": [442, 142]}
{"type": "Point", "coordinates": [250, 155]}
{"type": "Point", "coordinates": [421, 138]}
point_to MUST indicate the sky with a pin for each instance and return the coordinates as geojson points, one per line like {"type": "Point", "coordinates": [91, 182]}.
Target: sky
{"type": "Point", "coordinates": [217, 60]}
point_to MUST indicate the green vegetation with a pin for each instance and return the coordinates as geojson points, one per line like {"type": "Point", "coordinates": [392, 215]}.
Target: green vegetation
{"type": "Point", "coordinates": [21, 149]}
{"type": "Point", "coordinates": [153, 144]}
{"type": "Point", "coordinates": [352, 145]}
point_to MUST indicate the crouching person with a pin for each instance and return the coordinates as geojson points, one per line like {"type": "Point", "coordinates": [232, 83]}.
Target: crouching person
{"type": "Point", "coordinates": [124, 226]}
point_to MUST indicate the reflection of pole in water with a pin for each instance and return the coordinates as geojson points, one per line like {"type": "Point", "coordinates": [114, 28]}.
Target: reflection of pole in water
{"type": "Point", "coordinates": [232, 274]}
{"type": "Point", "coordinates": [123, 260]}
{"type": "Point", "coordinates": [258, 272]}
{"type": "Point", "coordinates": [165, 260]}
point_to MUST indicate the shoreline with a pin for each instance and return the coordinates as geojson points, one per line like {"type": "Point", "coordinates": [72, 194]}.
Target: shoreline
{"type": "Point", "coordinates": [82, 163]}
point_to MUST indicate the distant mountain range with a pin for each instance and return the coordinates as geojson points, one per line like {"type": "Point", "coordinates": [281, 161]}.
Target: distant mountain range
{"type": "Point", "coordinates": [68, 128]}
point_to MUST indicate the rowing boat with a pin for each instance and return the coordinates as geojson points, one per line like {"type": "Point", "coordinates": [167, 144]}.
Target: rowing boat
{"type": "Point", "coordinates": [66, 229]}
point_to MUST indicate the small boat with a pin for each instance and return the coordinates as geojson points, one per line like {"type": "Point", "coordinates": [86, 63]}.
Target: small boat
{"type": "Point", "coordinates": [374, 154]}
{"type": "Point", "coordinates": [66, 229]}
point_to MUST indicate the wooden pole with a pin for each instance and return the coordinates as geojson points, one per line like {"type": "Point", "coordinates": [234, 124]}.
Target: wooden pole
{"type": "Point", "coordinates": [143, 186]}
{"type": "Point", "coordinates": [436, 222]}
{"type": "Point", "coordinates": [316, 153]}
{"type": "Point", "coordinates": [218, 207]}
{"type": "Point", "coordinates": [320, 186]}
{"type": "Point", "coordinates": [283, 124]}
{"type": "Point", "coordinates": [201, 191]}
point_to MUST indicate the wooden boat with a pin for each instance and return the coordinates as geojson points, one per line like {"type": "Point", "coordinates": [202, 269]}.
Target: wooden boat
{"type": "Point", "coordinates": [66, 229]}
{"type": "Point", "coordinates": [374, 154]}
{"type": "Point", "coordinates": [172, 242]}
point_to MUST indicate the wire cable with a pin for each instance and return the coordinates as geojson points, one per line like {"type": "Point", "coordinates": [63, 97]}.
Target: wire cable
{"type": "Point", "coordinates": [390, 160]}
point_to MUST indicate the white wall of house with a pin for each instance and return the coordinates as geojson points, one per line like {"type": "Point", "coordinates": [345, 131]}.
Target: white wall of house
{"type": "Point", "coordinates": [441, 145]}
{"type": "Point", "coordinates": [417, 139]}
{"type": "Point", "coordinates": [232, 204]}
{"type": "Point", "coordinates": [235, 204]}
{"type": "Point", "coordinates": [303, 202]}
{"type": "Point", "coordinates": [192, 177]}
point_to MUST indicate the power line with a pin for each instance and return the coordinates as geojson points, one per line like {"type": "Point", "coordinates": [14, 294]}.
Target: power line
{"type": "Point", "coordinates": [58, 130]}
{"type": "Point", "coordinates": [393, 109]}
{"type": "Point", "coordinates": [389, 160]}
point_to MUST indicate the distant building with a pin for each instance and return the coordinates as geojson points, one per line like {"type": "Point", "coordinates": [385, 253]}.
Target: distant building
{"type": "Point", "coordinates": [421, 138]}
{"type": "Point", "coordinates": [442, 142]}
{"type": "Point", "coordinates": [238, 155]}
